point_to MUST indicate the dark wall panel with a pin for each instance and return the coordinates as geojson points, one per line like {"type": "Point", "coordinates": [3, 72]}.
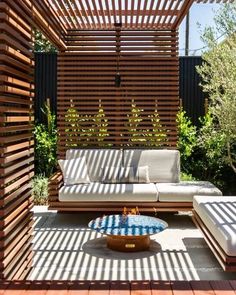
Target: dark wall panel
{"type": "Point", "coordinates": [45, 83]}
{"type": "Point", "coordinates": [191, 93]}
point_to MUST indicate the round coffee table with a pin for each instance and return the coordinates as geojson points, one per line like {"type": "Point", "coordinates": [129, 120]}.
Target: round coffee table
{"type": "Point", "coordinates": [128, 233]}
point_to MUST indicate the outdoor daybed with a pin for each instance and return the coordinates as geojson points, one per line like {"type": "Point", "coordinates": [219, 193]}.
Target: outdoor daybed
{"type": "Point", "coordinates": [216, 217]}
{"type": "Point", "coordinates": [109, 179]}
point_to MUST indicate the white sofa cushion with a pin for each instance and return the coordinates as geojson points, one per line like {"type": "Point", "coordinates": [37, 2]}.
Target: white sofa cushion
{"type": "Point", "coordinates": [163, 165]}
{"type": "Point", "coordinates": [96, 159]}
{"type": "Point", "coordinates": [125, 174]}
{"type": "Point", "coordinates": [74, 171]}
{"type": "Point", "coordinates": [110, 174]}
{"type": "Point", "coordinates": [109, 192]}
{"type": "Point", "coordinates": [219, 215]}
{"type": "Point", "coordinates": [185, 190]}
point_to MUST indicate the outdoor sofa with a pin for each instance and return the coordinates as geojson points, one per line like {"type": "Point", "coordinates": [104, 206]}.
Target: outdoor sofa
{"type": "Point", "coordinates": [216, 217]}
{"type": "Point", "coordinates": [109, 179]}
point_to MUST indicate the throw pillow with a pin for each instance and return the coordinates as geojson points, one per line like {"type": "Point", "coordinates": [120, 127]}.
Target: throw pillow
{"type": "Point", "coordinates": [74, 171]}
{"type": "Point", "coordinates": [142, 174]}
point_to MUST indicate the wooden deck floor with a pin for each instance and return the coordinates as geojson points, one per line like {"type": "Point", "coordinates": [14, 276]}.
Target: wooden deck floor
{"type": "Point", "coordinates": [118, 288]}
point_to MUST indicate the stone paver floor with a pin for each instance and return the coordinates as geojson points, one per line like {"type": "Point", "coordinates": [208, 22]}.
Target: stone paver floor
{"type": "Point", "coordinates": [66, 249]}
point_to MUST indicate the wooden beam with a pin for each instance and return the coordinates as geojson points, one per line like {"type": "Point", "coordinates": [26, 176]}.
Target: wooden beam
{"type": "Point", "coordinates": [182, 13]}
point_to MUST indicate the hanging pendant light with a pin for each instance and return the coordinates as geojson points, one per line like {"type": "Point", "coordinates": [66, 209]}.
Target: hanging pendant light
{"type": "Point", "coordinates": [118, 75]}
{"type": "Point", "coordinates": [117, 79]}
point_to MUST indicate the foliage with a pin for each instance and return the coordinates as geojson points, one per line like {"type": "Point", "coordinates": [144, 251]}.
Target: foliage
{"type": "Point", "coordinates": [134, 119]}
{"type": "Point", "coordinates": [87, 127]}
{"type": "Point", "coordinates": [210, 152]}
{"type": "Point", "coordinates": [187, 137]}
{"type": "Point", "coordinates": [186, 177]}
{"type": "Point", "coordinates": [203, 152]}
{"type": "Point", "coordinates": [158, 133]}
{"type": "Point", "coordinates": [218, 73]}
{"type": "Point", "coordinates": [152, 137]}
{"type": "Point", "coordinates": [212, 141]}
{"type": "Point", "coordinates": [40, 189]}
{"type": "Point", "coordinates": [82, 129]}
{"type": "Point", "coordinates": [101, 123]}
{"type": "Point", "coordinates": [46, 144]}
{"type": "Point", "coordinates": [41, 44]}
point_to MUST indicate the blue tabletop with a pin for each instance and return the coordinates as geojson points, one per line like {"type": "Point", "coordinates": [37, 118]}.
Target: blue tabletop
{"type": "Point", "coordinates": [128, 225]}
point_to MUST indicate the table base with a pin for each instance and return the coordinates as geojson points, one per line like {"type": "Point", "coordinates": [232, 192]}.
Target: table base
{"type": "Point", "coordinates": [128, 243]}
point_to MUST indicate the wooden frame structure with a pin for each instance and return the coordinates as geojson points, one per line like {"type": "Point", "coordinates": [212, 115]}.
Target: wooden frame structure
{"type": "Point", "coordinates": [81, 33]}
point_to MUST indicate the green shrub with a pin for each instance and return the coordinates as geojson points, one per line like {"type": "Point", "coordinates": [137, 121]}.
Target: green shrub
{"type": "Point", "coordinates": [46, 145]}
{"type": "Point", "coordinates": [187, 140]}
{"type": "Point", "coordinates": [186, 177]}
{"type": "Point", "coordinates": [152, 137]}
{"type": "Point", "coordinates": [86, 128]}
{"type": "Point", "coordinates": [40, 189]}
{"type": "Point", "coordinates": [203, 152]}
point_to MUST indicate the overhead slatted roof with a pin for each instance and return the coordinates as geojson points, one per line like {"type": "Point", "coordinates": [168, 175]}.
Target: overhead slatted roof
{"type": "Point", "coordinates": [132, 14]}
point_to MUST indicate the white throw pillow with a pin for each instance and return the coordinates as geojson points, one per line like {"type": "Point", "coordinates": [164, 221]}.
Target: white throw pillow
{"type": "Point", "coordinates": [142, 174]}
{"type": "Point", "coordinates": [74, 171]}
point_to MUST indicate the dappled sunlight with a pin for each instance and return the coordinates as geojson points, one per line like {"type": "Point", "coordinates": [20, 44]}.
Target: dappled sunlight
{"type": "Point", "coordinates": [65, 249]}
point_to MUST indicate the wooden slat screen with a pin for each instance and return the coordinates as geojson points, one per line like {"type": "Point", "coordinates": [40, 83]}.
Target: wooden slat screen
{"type": "Point", "coordinates": [93, 112]}
{"type": "Point", "coordinates": [47, 21]}
{"type": "Point", "coordinates": [16, 138]}
{"type": "Point", "coordinates": [133, 14]}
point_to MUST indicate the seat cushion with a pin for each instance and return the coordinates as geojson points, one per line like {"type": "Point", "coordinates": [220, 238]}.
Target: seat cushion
{"type": "Point", "coordinates": [163, 165]}
{"type": "Point", "coordinates": [185, 190]}
{"type": "Point", "coordinates": [96, 159]}
{"type": "Point", "coordinates": [109, 192]}
{"type": "Point", "coordinates": [219, 216]}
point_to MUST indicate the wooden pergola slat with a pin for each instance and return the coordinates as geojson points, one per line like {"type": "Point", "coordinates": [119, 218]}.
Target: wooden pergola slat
{"type": "Point", "coordinates": [156, 14]}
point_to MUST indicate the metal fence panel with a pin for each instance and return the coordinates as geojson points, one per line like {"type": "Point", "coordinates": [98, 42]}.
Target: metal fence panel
{"type": "Point", "coordinates": [45, 83]}
{"type": "Point", "coordinates": [193, 98]}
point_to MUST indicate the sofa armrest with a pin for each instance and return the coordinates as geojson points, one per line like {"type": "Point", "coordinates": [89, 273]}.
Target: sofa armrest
{"type": "Point", "coordinates": [55, 183]}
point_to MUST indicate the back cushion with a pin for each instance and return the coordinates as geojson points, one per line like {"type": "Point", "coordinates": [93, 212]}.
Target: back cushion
{"type": "Point", "coordinates": [97, 159]}
{"type": "Point", "coordinates": [164, 165]}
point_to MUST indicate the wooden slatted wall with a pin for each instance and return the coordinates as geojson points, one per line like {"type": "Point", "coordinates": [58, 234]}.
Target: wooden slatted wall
{"type": "Point", "coordinates": [93, 112]}
{"type": "Point", "coordinates": [16, 139]}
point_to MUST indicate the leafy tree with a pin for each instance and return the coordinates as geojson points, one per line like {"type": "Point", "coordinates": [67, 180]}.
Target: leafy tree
{"type": "Point", "coordinates": [218, 73]}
